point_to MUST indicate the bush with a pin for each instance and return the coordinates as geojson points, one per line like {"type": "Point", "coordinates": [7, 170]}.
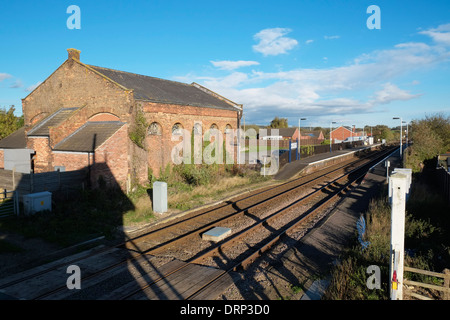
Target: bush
{"type": "Point", "coordinates": [430, 136]}
{"type": "Point", "coordinates": [196, 176]}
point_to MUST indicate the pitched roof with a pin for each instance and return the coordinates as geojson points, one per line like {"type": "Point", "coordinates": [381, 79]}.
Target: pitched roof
{"type": "Point", "coordinates": [89, 136]}
{"type": "Point", "coordinates": [165, 91]}
{"type": "Point", "coordinates": [312, 134]}
{"type": "Point", "coordinates": [284, 132]}
{"type": "Point", "coordinates": [41, 129]}
{"type": "Point", "coordinates": [344, 127]}
{"type": "Point", "coordinates": [15, 140]}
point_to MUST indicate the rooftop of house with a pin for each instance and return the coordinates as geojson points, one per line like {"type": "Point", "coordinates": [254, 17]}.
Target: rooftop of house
{"type": "Point", "coordinates": [89, 136]}
{"type": "Point", "coordinates": [165, 91]}
{"type": "Point", "coordinates": [42, 128]}
{"type": "Point", "coordinates": [15, 140]}
{"type": "Point", "coordinates": [284, 132]}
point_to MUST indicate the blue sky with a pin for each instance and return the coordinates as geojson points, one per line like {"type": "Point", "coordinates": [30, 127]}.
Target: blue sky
{"type": "Point", "coordinates": [314, 59]}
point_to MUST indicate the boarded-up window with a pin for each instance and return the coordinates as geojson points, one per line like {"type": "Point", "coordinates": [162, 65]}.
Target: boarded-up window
{"type": "Point", "coordinates": [154, 129]}
{"type": "Point", "coordinates": [197, 129]}
{"type": "Point", "coordinates": [177, 129]}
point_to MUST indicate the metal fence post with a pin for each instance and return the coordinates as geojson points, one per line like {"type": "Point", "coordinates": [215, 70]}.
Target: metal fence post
{"type": "Point", "coordinates": [290, 149]}
{"type": "Point", "coordinates": [16, 203]}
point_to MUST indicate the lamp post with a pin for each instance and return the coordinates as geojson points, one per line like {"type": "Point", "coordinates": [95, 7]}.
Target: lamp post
{"type": "Point", "coordinates": [299, 138]}
{"type": "Point", "coordinates": [330, 133]}
{"type": "Point", "coordinates": [401, 128]}
{"type": "Point", "coordinates": [353, 129]}
{"type": "Point", "coordinates": [407, 133]}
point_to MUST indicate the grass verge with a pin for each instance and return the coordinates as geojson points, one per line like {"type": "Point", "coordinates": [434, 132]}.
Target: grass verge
{"type": "Point", "coordinates": [427, 245]}
{"type": "Point", "coordinates": [101, 212]}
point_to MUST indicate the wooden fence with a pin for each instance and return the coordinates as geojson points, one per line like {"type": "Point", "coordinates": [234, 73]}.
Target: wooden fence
{"type": "Point", "coordinates": [307, 151]}
{"type": "Point", "coordinates": [443, 180]}
{"type": "Point", "coordinates": [284, 144]}
{"type": "Point", "coordinates": [37, 182]}
{"type": "Point", "coordinates": [445, 289]}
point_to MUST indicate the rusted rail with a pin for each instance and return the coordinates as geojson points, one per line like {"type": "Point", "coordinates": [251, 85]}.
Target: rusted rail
{"type": "Point", "coordinates": [254, 200]}
{"type": "Point", "coordinates": [276, 236]}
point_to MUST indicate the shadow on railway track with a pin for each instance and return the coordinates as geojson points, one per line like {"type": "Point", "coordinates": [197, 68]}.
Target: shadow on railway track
{"type": "Point", "coordinates": [105, 270]}
{"type": "Point", "coordinates": [299, 262]}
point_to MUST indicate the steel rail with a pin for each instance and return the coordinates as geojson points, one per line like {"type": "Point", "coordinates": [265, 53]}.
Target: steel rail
{"type": "Point", "coordinates": [244, 263]}
{"type": "Point", "coordinates": [196, 232]}
{"type": "Point", "coordinates": [220, 246]}
{"type": "Point", "coordinates": [142, 237]}
{"type": "Point", "coordinates": [132, 239]}
{"type": "Point", "coordinates": [312, 177]}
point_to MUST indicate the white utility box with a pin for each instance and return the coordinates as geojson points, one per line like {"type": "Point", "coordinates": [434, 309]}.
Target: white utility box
{"type": "Point", "coordinates": [36, 202]}
{"type": "Point", "coordinates": [159, 197]}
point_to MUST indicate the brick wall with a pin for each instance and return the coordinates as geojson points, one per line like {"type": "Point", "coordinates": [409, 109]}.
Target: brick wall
{"type": "Point", "coordinates": [71, 160]}
{"type": "Point", "coordinates": [109, 161]}
{"type": "Point", "coordinates": [104, 117]}
{"type": "Point", "coordinates": [74, 85]}
{"type": "Point", "coordinates": [2, 159]}
{"type": "Point", "coordinates": [43, 158]}
{"type": "Point", "coordinates": [167, 115]}
{"type": "Point", "coordinates": [112, 159]}
{"type": "Point", "coordinates": [340, 133]}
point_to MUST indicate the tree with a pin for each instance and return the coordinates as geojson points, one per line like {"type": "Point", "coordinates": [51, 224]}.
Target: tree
{"type": "Point", "coordinates": [430, 136]}
{"type": "Point", "coordinates": [279, 123]}
{"type": "Point", "coordinates": [386, 133]}
{"type": "Point", "coordinates": [9, 122]}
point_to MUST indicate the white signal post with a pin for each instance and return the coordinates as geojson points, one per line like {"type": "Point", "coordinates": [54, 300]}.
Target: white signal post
{"type": "Point", "coordinates": [398, 185]}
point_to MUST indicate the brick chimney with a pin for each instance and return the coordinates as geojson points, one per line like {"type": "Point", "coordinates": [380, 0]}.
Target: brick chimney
{"type": "Point", "coordinates": [74, 54]}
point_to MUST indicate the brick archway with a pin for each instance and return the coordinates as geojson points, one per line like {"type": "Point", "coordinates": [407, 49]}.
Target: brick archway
{"type": "Point", "coordinates": [103, 116]}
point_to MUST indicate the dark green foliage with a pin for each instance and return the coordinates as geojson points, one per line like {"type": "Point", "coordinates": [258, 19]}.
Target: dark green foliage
{"type": "Point", "coordinates": [9, 122]}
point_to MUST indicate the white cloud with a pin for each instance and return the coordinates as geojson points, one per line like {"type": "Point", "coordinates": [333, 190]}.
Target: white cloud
{"type": "Point", "coordinates": [4, 76]}
{"type": "Point", "coordinates": [363, 86]}
{"type": "Point", "coordinates": [309, 41]}
{"type": "Point", "coordinates": [231, 65]}
{"type": "Point", "coordinates": [440, 34]}
{"type": "Point", "coordinates": [273, 41]}
{"type": "Point", "coordinates": [331, 37]}
{"type": "Point", "coordinates": [32, 87]}
{"type": "Point", "coordinates": [233, 80]}
{"type": "Point", "coordinates": [391, 92]}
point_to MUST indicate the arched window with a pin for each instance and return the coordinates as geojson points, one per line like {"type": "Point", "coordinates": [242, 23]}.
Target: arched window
{"type": "Point", "coordinates": [228, 128]}
{"type": "Point", "coordinates": [197, 128]}
{"type": "Point", "coordinates": [177, 129]}
{"type": "Point", "coordinates": [214, 126]}
{"type": "Point", "coordinates": [154, 129]}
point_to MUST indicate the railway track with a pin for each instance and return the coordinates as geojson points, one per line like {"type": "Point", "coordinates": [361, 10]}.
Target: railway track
{"type": "Point", "coordinates": [341, 186]}
{"type": "Point", "coordinates": [329, 182]}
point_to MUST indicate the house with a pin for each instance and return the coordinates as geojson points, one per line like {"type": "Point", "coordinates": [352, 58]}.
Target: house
{"type": "Point", "coordinates": [344, 134]}
{"type": "Point", "coordinates": [278, 134]}
{"type": "Point", "coordinates": [312, 137]}
{"type": "Point", "coordinates": [82, 117]}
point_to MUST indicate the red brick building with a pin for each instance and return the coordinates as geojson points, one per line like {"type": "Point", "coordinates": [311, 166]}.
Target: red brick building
{"type": "Point", "coordinates": [343, 133]}
{"type": "Point", "coordinates": [82, 117]}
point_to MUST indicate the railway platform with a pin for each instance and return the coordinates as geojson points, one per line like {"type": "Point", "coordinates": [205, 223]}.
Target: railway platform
{"type": "Point", "coordinates": [171, 261]}
{"type": "Point", "coordinates": [296, 167]}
